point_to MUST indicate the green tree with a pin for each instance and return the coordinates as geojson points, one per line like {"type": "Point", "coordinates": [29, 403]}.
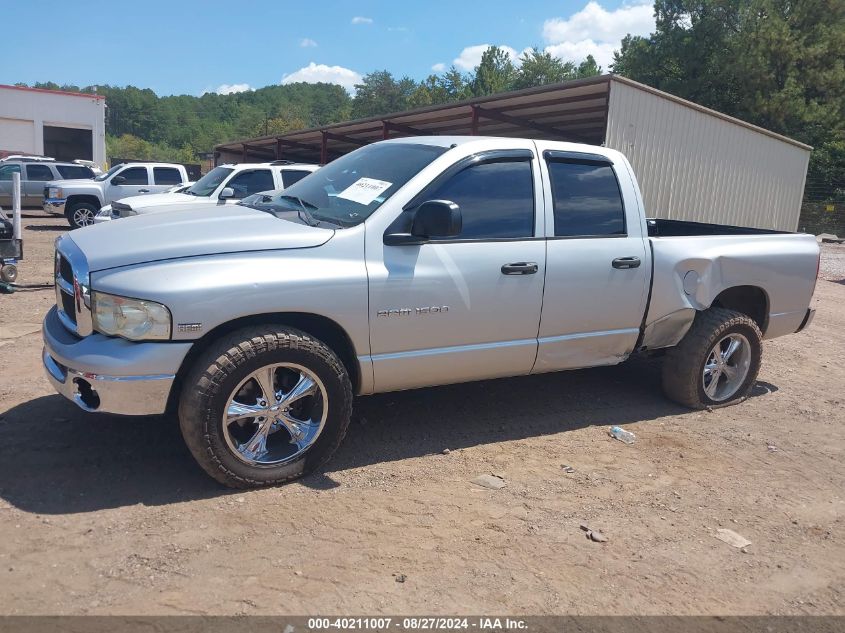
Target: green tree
{"type": "Point", "coordinates": [379, 93]}
{"type": "Point", "coordinates": [495, 73]}
{"type": "Point", "coordinates": [776, 63]}
{"type": "Point", "coordinates": [539, 68]}
{"type": "Point", "coordinates": [588, 68]}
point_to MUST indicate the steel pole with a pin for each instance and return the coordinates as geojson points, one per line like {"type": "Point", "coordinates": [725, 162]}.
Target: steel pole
{"type": "Point", "coordinates": [16, 205]}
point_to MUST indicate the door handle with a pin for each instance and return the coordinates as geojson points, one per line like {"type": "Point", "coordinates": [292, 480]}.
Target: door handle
{"type": "Point", "coordinates": [626, 262]}
{"type": "Point", "coordinates": [143, 191]}
{"type": "Point", "coordinates": [520, 268]}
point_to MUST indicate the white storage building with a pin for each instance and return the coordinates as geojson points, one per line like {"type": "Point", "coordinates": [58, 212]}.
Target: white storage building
{"type": "Point", "coordinates": [693, 163]}
{"type": "Point", "coordinates": [63, 125]}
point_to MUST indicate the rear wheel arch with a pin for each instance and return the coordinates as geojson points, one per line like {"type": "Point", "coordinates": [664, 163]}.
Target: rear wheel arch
{"type": "Point", "coordinates": [749, 300]}
{"type": "Point", "coordinates": [320, 327]}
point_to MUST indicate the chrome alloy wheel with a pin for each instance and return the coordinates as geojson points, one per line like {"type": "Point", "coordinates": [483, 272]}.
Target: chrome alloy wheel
{"type": "Point", "coordinates": [83, 217]}
{"type": "Point", "coordinates": [275, 414]}
{"type": "Point", "coordinates": [726, 367]}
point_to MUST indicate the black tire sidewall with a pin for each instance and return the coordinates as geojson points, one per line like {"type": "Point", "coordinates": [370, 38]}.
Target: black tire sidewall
{"type": "Point", "coordinates": [77, 206]}
{"type": "Point", "coordinates": [213, 401]}
{"type": "Point", "coordinates": [753, 337]}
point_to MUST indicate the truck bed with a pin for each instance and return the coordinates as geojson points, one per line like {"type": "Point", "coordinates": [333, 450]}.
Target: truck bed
{"type": "Point", "coordinates": [658, 227]}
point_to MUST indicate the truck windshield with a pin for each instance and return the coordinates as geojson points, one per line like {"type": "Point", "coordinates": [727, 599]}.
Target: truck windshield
{"type": "Point", "coordinates": [206, 185]}
{"type": "Point", "coordinates": [348, 190]}
{"type": "Point", "coordinates": [109, 173]}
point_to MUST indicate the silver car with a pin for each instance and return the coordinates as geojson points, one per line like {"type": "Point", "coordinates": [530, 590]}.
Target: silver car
{"type": "Point", "coordinates": [34, 177]}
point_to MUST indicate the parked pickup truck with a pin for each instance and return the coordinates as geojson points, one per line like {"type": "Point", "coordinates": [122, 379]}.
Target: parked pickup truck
{"type": "Point", "coordinates": [407, 263]}
{"type": "Point", "coordinates": [80, 200]}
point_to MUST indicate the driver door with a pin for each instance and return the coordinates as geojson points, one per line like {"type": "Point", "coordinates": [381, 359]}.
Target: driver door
{"type": "Point", "coordinates": [466, 307]}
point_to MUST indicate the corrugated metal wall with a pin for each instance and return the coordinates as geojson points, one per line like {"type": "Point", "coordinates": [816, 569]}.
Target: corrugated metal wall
{"type": "Point", "coordinates": [696, 166]}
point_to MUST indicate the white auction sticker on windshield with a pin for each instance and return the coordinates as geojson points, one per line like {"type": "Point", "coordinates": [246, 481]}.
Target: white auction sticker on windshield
{"type": "Point", "coordinates": [364, 190]}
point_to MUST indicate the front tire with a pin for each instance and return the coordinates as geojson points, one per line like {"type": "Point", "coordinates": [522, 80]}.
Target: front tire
{"type": "Point", "coordinates": [716, 363]}
{"type": "Point", "coordinates": [265, 405]}
{"type": "Point", "coordinates": [81, 214]}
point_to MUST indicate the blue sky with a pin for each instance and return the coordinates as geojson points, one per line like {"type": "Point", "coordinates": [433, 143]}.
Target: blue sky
{"type": "Point", "coordinates": [188, 47]}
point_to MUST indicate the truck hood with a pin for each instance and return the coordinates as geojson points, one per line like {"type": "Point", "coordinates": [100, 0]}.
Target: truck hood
{"type": "Point", "coordinates": [142, 203]}
{"type": "Point", "coordinates": [189, 233]}
{"type": "Point", "coordinates": [76, 182]}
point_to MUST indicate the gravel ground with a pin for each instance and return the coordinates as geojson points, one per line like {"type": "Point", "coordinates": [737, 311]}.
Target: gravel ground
{"type": "Point", "coordinates": [833, 262]}
{"type": "Point", "coordinates": [109, 515]}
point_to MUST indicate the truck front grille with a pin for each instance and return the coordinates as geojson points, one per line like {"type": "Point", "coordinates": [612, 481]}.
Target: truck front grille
{"type": "Point", "coordinates": [73, 301]}
{"type": "Point", "coordinates": [68, 308]}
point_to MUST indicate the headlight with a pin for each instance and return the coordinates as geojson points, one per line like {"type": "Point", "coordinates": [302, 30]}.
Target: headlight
{"type": "Point", "coordinates": [105, 211]}
{"type": "Point", "coordinates": [55, 192]}
{"type": "Point", "coordinates": [134, 319]}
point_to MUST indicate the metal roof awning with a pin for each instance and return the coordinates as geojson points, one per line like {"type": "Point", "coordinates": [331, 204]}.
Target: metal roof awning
{"type": "Point", "coordinates": [572, 111]}
{"type": "Point", "coordinates": [575, 111]}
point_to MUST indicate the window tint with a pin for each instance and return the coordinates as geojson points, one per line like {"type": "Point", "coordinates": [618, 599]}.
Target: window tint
{"type": "Point", "coordinates": [38, 172]}
{"type": "Point", "coordinates": [7, 170]}
{"type": "Point", "coordinates": [496, 199]}
{"type": "Point", "coordinates": [249, 182]}
{"type": "Point", "coordinates": [74, 171]}
{"type": "Point", "coordinates": [290, 176]}
{"type": "Point", "coordinates": [134, 176]}
{"type": "Point", "coordinates": [587, 200]}
{"type": "Point", "coordinates": [167, 176]}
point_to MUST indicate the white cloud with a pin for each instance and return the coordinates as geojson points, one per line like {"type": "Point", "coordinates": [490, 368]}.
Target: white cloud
{"type": "Point", "coordinates": [470, 57]}
{"type": "Point", "coordinates": [361, 20]}
{"type": "Point", "coordinates": [439, 68]}
{"type": "Point", "coordinates": [596, 31]}
{"type": "Point", "coordinates": [307, 42]}
{"type": "Point", "coordinates": [317, 73]}
{"type": "Point", "coordinates": [228, 89]}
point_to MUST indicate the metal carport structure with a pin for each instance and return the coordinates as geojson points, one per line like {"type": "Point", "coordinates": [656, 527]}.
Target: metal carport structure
{"type": "Point", "coordinates": [693, 163]}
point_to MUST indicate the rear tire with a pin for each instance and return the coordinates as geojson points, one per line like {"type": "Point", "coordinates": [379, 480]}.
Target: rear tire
{"type": "Point", "coordinates": [716, 363]}
{"type": "Point", "coordinates": [81, 214]}
{"type": "Point", "coordinates": [290, 435]}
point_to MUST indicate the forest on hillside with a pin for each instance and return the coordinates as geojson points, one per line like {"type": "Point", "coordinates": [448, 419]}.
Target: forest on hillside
{"type": "Point", "coordinates": [779, 64]}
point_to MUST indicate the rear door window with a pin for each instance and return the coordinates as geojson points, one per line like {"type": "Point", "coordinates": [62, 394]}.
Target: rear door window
{"type": "Point", "coordinates": [290, 176]}
{"type": "Point", "coordinates": [167, 176]}
{"type": "Point", "coordinates": [587, 199]}
{"type": "Point", "coordinates": [38, 172]}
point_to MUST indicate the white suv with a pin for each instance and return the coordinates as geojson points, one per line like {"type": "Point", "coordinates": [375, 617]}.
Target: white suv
{"type": "Point", "coordinates": [223, 185]}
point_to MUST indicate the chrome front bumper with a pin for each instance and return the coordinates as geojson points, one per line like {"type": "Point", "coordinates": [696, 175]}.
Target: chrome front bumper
{"type": "Point", "coordinates": [56, 206]}
{"type": "Point", "coordinates": [107, 374]}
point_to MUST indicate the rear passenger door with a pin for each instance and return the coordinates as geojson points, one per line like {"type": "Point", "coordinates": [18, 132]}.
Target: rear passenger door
{"type": "Point", "coordinates": [164, 178]}
{"type": "Point", "coordinates": [32, 187]}
{"type": "Point", "coordinates": [597, 268]}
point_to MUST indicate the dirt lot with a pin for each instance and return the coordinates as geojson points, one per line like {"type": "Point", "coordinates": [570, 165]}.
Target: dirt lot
{"type": "Point", "coordinates": [101, 514]}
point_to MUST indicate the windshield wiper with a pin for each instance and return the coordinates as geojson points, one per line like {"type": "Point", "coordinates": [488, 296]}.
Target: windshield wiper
{"type": "Point", "coordinates": [304, 214]}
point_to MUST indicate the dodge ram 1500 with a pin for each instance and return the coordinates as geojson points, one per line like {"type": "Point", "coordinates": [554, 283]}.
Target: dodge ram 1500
{"type": "Point", "coordinates": [407, 263]}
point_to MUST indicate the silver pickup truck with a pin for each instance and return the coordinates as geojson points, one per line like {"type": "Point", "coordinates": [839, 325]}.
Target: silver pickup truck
{"type": "Point", "coordinates": [407, 263]}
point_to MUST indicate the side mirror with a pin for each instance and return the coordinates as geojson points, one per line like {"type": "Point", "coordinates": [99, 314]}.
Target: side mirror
{"type": "Point", "coordinates": [433, 218]}
{"type": "Point", "coordinates": [118, 180]}
{"type": "Point", "coordinates": [227, 192]}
